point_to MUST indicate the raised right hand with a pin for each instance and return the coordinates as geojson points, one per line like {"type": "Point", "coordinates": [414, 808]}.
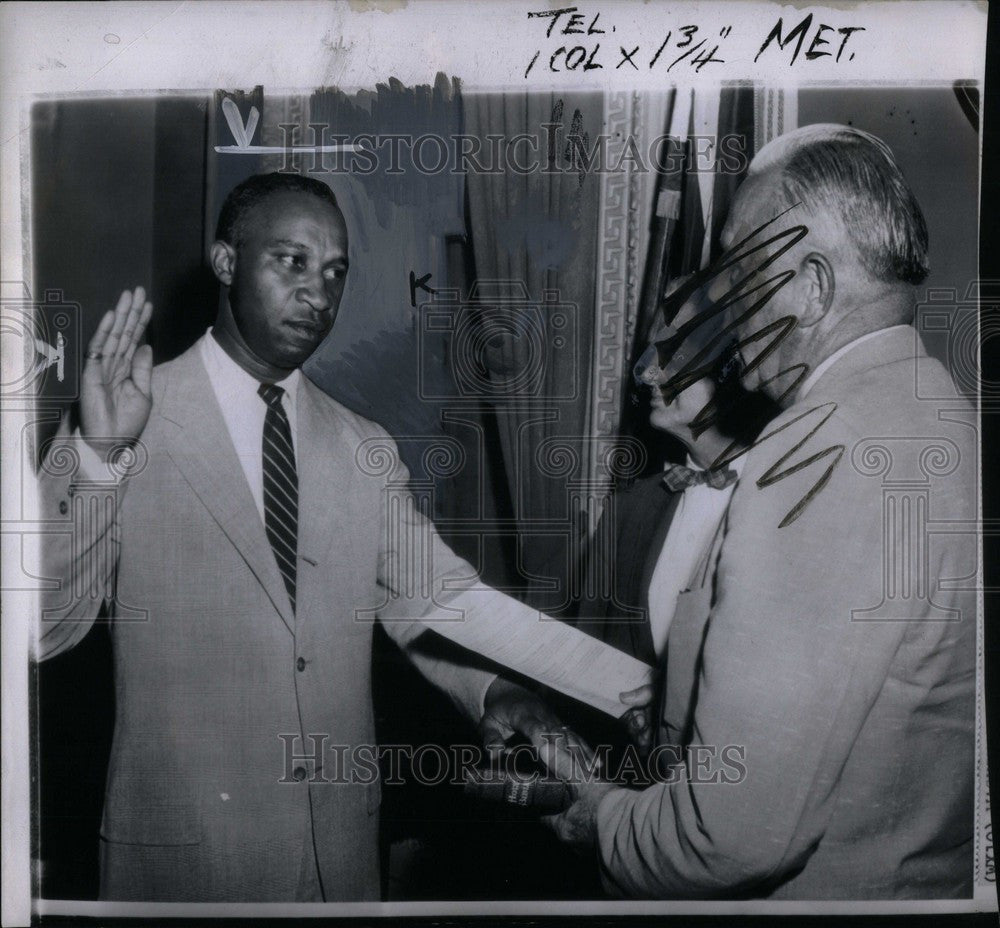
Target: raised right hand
{"type": "Point", "coordinates": [115, 396]}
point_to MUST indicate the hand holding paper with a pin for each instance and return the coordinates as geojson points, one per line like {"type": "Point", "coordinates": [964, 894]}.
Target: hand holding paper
{"type": "Point", "coordinates": [547, 650]}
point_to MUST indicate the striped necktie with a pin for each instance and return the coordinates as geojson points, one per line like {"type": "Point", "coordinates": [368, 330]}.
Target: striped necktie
{"type": "Point", "coordinates": [281, 486]}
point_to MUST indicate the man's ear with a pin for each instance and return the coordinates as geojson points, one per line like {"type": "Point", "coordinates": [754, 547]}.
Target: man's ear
{"type": "Point", "coordinates": [818, 285]}
{"type": "Point", "coordinates": [222, 257]}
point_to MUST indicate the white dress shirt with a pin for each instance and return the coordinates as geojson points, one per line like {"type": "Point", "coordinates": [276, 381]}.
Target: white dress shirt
{"type": "Point", "coordinates": [243, 410]}
{"type": "Point", "coordinates": [696, 519]}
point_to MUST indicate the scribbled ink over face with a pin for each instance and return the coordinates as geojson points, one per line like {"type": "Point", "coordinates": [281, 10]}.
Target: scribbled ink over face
{"type": "Point", "coordinates": [288, 279]}
{"type": "Point", "coordinates": [764, 278]}
{"type": "Point", "coordinates": [676, 416]}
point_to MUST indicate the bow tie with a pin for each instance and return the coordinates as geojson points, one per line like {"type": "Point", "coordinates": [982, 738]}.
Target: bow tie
{"type": "Point", "coordinates": [677, 477]}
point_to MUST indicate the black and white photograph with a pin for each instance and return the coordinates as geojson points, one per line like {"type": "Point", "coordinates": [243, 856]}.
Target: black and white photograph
{"type": "Point", "coordinates": [514, 460]}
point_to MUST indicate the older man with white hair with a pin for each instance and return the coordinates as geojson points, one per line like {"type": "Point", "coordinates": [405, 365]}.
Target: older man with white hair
{"type": "Point", "coordinates": [829, 646]}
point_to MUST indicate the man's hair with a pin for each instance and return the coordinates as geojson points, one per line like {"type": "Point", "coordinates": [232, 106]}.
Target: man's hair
{"type": "Point", "coordinates": [853, 173]}
{"type": "Point", "coordinates": [245, 196]}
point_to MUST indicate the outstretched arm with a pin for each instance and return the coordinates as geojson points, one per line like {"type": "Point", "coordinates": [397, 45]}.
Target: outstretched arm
{"type": "Point", "coordinates": [80, 548]}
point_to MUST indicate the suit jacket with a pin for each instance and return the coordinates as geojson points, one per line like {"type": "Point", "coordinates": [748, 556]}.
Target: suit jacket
{"type": "Point", "coordinates": [223, 694]}
{"type": "Point", "coordinates": [828, 666]}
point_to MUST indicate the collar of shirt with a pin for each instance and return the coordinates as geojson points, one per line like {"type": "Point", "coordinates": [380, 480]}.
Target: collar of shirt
{"type": "Point", "coordinates": [820, 369]}
{"type": "Point", "coordinates": [234, 388]}
{"type": "Point", "coordinates": [243, 410]}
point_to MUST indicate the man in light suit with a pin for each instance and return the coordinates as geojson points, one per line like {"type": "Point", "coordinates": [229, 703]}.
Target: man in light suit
{"type": "Point", "coordinates": [243, 556]}
{"type": "Point", "coordinates": [831, 645]}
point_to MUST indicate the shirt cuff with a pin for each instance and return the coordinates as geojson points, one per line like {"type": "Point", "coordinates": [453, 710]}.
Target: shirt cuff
{"type": "Point", "coordinates": [93, 467]}
{"type": "Point", "coordinates": [487, 682]}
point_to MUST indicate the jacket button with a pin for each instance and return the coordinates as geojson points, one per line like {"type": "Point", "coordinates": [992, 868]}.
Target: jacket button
{"type": "Point", "coordinates": [63, 507]}
{"type": "Point", "coordinates": [301, 663]}
{"type": "Point", "coordinates": [299, 774]}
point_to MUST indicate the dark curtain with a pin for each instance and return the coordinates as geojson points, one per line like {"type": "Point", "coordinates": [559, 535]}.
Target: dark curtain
{"type": "Point", "coordinates": [534, 238]}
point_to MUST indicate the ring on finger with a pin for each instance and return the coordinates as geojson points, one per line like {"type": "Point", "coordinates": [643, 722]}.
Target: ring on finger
{"type": "Point", "coordinates": [93, 356]}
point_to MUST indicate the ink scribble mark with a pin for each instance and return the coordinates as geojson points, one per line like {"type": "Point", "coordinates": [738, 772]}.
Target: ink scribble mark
{"type": "Point", "coordinates": [702, 361]}
{"type": "Point", "coordinates": [772, 475]}
{"type": "Point", "coordinates": [672, 348]}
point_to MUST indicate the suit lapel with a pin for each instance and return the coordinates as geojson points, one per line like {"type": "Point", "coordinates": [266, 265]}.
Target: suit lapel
{"type": "Point", "coordinates": [685, 640]}
{"type": "Point", "coordinates": [325, 462]}
{"type": "Point", "coordinates": [665, 502]}
{"type": "Point", "coordinates": [658, 507]}
{"type": "Point", "coordinates": [198, 442]}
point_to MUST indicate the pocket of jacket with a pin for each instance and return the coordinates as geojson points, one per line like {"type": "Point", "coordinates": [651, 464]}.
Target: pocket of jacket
{"type": "Point", "coordinates": [154, 825]}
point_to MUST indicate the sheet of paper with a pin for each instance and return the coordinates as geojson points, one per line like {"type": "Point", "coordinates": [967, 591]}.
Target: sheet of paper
{"type": "Point", "coordinates": [550, 652]}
